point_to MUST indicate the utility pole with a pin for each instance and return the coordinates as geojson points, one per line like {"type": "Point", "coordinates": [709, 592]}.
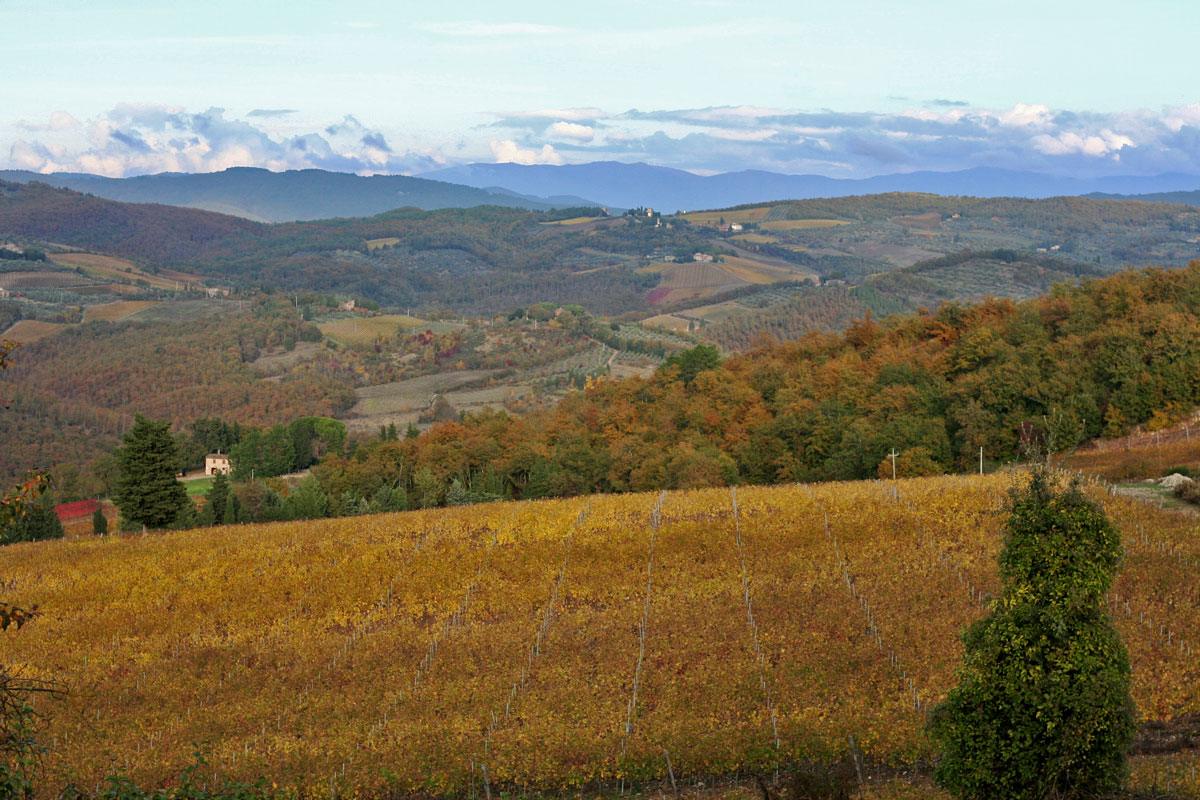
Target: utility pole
{"type": "Point", "coordinates": [893, 455]}
{"type": "Point", "coordinates": [981, 461]}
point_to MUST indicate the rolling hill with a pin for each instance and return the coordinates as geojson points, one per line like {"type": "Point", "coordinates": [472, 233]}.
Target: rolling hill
{"type": "Point", "coordinates": [585, 646]}
{"type": "Point", "coordinates": [266, 196]}
{"type": "Point", "coordinates": [1182, 198]}
{"type": "Point", "coordinates": [492, 259]}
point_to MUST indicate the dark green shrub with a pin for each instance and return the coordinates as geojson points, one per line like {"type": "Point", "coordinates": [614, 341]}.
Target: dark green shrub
{"type": "Point", "coordinates": [819, 780]}
{"type": "Point", "coordinates": [38, 523]}
{"type": "Point", "coordinates": [1042, 708]}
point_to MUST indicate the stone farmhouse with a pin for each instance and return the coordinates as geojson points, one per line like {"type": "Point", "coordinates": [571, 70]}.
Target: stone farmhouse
{"type": "Point", "coordinates": [216, 462]}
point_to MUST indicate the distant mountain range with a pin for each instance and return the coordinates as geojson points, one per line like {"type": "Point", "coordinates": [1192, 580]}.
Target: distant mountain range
{"type": "Point", "coordinates": [631, 185]}
{"type": "Point", "coordinates": [309, 194]}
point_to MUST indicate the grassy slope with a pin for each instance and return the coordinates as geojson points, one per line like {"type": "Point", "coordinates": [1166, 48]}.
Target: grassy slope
{"type": "Point", "coordinates": [434, 643]}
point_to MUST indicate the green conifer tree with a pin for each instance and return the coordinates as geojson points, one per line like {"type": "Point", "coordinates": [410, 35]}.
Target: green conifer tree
{"type": "Point", "coordinates": [217, 497]}
{"type": "Point", "coordinates": [308, 501]}
{"type": "Point", "coordinates": [233, 510]}
{"type": "Point", "coordinates": [99, 522]}
{"type": "Point", "coordinates": [457, 495]}
{"type": "Point", "coordinates": [147, 491]}
{"type": "Point", "coordinates": [1042, 708]}
{"type": "Point", "coordinates": [538, 484]}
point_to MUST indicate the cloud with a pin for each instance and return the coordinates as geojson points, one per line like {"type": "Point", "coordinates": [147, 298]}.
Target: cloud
{"type": "Point", "coordinates": [271, 112]}
{"type": "Point", "coordinates": [1065, 143]}
{"type": "Point", "coordinates": [376, 141]}
{"type": "Point", "coordinates": [59, 121]}
{"type": "Point", "coordinates": [572, 130]}
{"type": "Point", "coordinates": [938, 135]}
{"type": "Point", "coordinates": [144, 139]}
{"type": "Point", "coordinates": [746, 136]}
{"type": "Point", "coordinates": [135, 139]}
{"type": "Point", "coordinates": [477, 28]}
{"type": "Point", "coordinates": [508, 151]}
{"type": "Point", "coordinates": [1025, 114]}
{"type": "Point", "coordinates": [543, 119]}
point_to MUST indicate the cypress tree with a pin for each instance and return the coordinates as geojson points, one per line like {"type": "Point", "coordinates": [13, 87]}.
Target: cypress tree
{"type": "Point", "coordinates": [217, 497]}
{"type": "Point", "coordinates": [99, 523]}
{"type": "Point", "coordinates": [147, 491]}
{"type": "Point", "coordinates": [1042, 708]}
{"type": "Point", "coordinates": [233, 510]}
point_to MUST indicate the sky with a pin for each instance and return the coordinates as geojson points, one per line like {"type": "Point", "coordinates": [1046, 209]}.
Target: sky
{"type": "Point", "coordinates": [848, 89]}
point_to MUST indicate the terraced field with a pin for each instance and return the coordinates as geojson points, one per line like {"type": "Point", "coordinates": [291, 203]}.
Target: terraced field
{"type": "Point", "coordinates": [731, 216]}
{"type": "Point", "coordinates": [114, 269]}
{"type": "Point", "coordinates": [111, 312]}
{"type": "Point", "coordinates": [801, 224]}
{"type": "Point", "coordinates": [30, 330]}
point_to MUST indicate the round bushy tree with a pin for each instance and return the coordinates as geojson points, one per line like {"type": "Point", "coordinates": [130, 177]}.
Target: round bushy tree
{"type": "Point", "coordinates": [1042, 708]}
{"type": "Point", "coordinates": [37, 523]}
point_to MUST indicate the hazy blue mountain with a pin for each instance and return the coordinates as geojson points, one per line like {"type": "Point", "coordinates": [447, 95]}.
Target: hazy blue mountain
{"type": "Point", "coordinates": [308, 194]}
{"type": "Point", "coordinates": [623, 185]}
{"type": "Point", "coordinates": [1182, 198]}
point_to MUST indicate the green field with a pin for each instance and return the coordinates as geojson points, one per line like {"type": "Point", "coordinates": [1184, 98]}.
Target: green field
{"type": "Point", "coordinates": [198, 486]}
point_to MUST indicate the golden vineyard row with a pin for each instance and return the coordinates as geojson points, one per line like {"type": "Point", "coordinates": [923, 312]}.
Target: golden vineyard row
{"type": "Point", "coordinates": [552, 644]}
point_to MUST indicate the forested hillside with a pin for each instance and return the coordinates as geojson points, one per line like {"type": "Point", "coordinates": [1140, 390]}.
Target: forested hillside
{"type": "Point", "coordinates": [933, 388]}
{"type": "Point", "coordinates": [141, 231]}
{"type": "Point", "coordinates": [481, 259]}
{"type": "Point", "coordinates": [72, 395]}
{"type": "Point", "coordinates": [970, 275]}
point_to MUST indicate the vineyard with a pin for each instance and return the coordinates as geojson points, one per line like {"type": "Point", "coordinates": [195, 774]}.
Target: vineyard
{"type": "Point", "coordinates": [588, 644]}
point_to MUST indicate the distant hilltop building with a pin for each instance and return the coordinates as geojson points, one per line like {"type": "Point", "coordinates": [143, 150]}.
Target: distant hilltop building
{"type": "Point", "coordinates": [702, 257]}
{"type": "Point", "coordinates": [349, 305]}
{"type": "Point", "coordinates": [736, 227]}
{"type": "Point", "coordinates": [215, 292]}
{"type": "Point", "coordinates": [3, 292]}
{"type": "Point", "coordinates": [216, 463]}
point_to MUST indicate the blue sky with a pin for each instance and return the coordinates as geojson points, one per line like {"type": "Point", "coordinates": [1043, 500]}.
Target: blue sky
{"type": "Point", "coordinates": [846, 89]}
